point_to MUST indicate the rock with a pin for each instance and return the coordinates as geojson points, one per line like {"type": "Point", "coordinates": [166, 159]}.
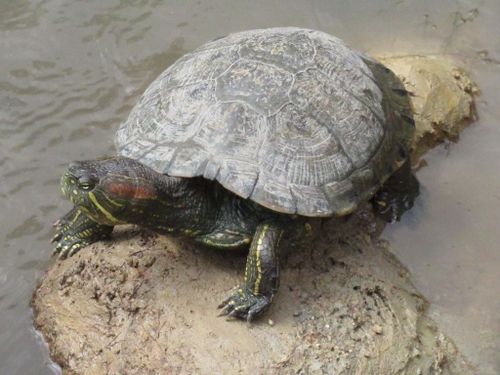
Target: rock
{"type": "Point", "coordinates": [442, 96]}
{"type": "Point", "coordinates": [146, 304]}
{"type": "Point", "coordinates": [159, 320]}
{"type": "Point", "coordinates": [377, 329]}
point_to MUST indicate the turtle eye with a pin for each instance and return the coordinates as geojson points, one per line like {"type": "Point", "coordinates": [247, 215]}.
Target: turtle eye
{"type": "Point", "coordinates": [86, 183]}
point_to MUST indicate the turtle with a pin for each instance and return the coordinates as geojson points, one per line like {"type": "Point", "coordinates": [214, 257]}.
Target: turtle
{"type": "Point", "coordinates": [243, 141]}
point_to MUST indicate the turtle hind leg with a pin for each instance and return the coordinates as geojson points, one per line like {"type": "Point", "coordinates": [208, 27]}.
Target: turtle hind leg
{"type": "Point", "coordinates": [255, 295]}
{"type": "Point", "coordinates": [397, 195]}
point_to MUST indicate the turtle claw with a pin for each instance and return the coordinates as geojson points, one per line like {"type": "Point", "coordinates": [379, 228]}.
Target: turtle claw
{"type": "Point", "coordinates": [56, 237]}
{"type": "Point", "coordinates": [56, 250]}
{"type": "Point", "coordinates": [74, 249]}
{"type": "Point", "coordinates": [258, 309]}
{"type": "Point", "coordinates": [69, 246]}
{"type": "Point", "coordinates": [244, 304]}
{"type": "Point", "coordinates": [63, 253]}
{"type": "Point", "coordinates": [225, 310]}
{"type": "Point", "coordinates": [397, 195]}
{"type": "Point", "coordinates": [74, 231]}
{"type": "Point", "coordinates": [234, 313]}
{"type": "Point", "coordinates": [392, 208]}
{"type": "Point", "coordinates": [224, 304]}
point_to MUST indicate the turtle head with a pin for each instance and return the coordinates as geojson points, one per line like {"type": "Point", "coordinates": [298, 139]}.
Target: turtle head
{"type": "Point", "coordinates": [110, 191]}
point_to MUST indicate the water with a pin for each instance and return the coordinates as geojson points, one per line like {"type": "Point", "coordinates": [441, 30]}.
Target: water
{"type": "Point", "coordinates": [71, 70]}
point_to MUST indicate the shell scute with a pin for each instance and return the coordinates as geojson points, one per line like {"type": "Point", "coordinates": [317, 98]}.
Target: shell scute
{"type": "Point", "coordinates": [262, 86]}
{"type": "Point", "coordinates": [292, 52]}
{"type": "Point", "coordinates": [202, 66]}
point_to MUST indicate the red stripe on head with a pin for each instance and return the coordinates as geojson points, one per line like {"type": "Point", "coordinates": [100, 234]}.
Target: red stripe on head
{"type": "Point", "coordinates": [129, 190]}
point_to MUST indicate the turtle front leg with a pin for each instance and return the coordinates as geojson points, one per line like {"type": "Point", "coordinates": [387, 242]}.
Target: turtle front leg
{"type": "Point", "coordinates": [261, 283]}
{"type": "Point", "coordinates": [397, 195]}
{"type": "Point", "coordinates": [76, 230]}
{"type": "Point", "coordinates": [66, 219]}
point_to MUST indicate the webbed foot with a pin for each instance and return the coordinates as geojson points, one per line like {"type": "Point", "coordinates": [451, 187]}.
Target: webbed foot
{"type": "Point", "coordinates": [244, 304]}
{"type": "Point", "coordinates": [397, 195]}
{"type": "Point", "coordinates": [74, 231]}
{"type": "Point", "coordinates": [392, 207]}
{"type": "Point", "coordinates": [69, 245]}
{"type": "Point", "coordinates": [254, 296]}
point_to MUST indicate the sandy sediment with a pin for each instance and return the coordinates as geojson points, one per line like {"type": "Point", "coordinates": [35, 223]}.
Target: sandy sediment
{"type": "Point", "coordinates": [146, 304]}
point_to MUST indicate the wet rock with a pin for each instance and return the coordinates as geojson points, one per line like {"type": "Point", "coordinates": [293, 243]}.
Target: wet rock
{"type": "Point", "coordinates": [366, 319]}
{"type": "Point", "coordinates": [442, 96]}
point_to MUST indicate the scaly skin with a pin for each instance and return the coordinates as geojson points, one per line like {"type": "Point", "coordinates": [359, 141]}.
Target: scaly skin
{"type": "Point", "coordinates": [397, 195]}
{"type": "Point", "coordinates": [75, 230]}
{"type": "Point", "coordinates": [261, 283]}
{"type": "Point", "coordinates": [119, 190]}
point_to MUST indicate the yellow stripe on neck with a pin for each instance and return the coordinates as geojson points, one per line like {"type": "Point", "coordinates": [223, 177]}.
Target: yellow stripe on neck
{"type": "Point", "coordinates": [106, 213]}
{"type": "Point", "coordinates": [260, 241]}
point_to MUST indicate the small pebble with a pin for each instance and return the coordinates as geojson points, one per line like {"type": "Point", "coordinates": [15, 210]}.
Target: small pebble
{"type": "Point", "coordinates": [270, 322]}
{"type": "Point", "coordinates": [327, 326]}
{"type": "Point", "coordinates": [483, 54]}
{"type": "Point", "coordinates": [377, 329]}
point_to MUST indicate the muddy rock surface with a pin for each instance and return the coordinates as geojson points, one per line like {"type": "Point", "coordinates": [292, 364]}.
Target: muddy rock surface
{"type": "Point", "coordinates": [146, 304]}
{"type": "Point", "coordinates": [442, 96]}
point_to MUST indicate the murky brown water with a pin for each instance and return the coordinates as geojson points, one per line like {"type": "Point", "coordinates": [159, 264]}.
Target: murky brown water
{"type": "Point", "coordinates": [71, 70]}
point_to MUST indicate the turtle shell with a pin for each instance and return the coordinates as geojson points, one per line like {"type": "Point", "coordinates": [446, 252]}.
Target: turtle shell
{"type": "Point", "coordinates": [291, 118]}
